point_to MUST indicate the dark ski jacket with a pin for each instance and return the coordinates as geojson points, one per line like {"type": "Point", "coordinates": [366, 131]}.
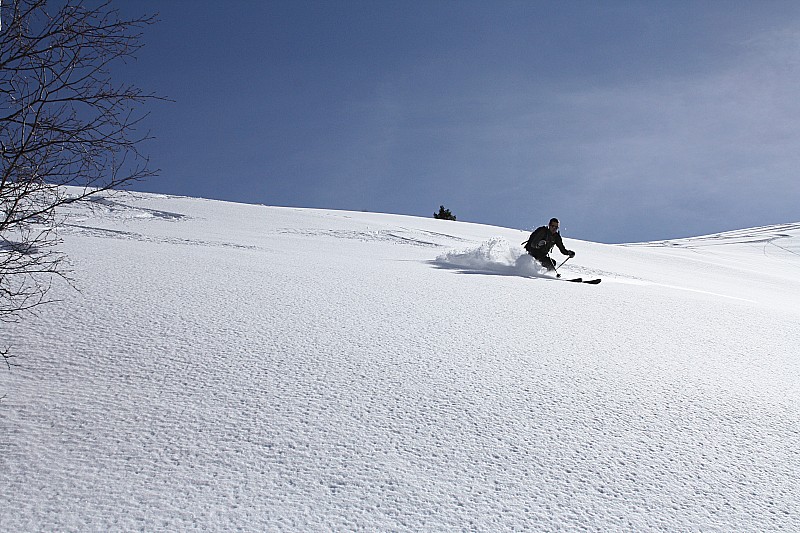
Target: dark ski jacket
{"type": "Point", "coordinates": [541, 242]}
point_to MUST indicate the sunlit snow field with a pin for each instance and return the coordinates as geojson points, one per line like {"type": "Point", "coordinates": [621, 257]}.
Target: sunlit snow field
{"type": "Point", "coordinates": [223, 366]}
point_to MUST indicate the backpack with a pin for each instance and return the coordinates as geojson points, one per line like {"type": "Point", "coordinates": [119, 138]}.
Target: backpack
{"type": "Point", "coordinates": [529, 246]}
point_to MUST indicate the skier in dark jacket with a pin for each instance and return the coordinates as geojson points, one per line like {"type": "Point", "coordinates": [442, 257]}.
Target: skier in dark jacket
{"type": "Point", "coordinates": [541, 242]}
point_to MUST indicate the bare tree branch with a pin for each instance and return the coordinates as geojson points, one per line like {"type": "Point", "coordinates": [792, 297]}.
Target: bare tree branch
{"type": "Point", "coordinates": [63, 122]}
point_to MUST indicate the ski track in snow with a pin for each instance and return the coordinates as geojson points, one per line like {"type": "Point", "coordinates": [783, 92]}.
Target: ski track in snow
{"type": "Point", "coordinates": [76, 229]}
{"type": "Point", "coordinates": [396, 236]}
{"type": "Point", "coordinates": [760, 235]}
{"type": "Point", "coordinates": [303, 370]}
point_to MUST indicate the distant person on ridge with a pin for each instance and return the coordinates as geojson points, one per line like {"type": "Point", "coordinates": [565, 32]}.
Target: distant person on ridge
{"type": "Point", "coordinates": [541, 242]}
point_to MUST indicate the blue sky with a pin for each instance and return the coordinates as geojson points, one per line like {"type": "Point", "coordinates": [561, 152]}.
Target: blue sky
{"type": "Point", "coordinates": [629, 121]}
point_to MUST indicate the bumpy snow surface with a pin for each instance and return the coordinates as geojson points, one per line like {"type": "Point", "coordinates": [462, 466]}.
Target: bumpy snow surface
{"type": "Point", "coordinates": [226, 366]}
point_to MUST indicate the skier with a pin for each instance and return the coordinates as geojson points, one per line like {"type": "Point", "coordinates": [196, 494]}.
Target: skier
{"type": "Point", "coordinates": [541, 242]}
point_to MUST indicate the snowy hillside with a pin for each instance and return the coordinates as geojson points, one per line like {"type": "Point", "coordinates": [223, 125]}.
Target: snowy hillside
{"type": "Point", "coordinates": [228, 366]}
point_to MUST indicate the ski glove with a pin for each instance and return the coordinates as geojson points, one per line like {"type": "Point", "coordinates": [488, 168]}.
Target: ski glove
{"type": "Point", "coordinates": [571, 253]}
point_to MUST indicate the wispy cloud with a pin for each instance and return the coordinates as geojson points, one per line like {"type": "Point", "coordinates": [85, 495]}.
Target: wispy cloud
{"type": "Point", "coordinates": [702, 147]}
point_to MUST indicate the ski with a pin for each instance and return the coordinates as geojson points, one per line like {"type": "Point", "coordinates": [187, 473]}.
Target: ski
{"type": "Point", "coordinates": [578, 280]}
{"type": "Point", "coordinates": [581, 280]}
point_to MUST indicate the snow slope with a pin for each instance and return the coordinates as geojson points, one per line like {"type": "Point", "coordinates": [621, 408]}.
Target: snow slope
{"type": "Point", "coordinates": [228, 366]}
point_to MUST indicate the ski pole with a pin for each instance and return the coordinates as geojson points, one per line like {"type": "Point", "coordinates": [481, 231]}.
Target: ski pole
{"type": "Point", "coordinates": [562, 264]}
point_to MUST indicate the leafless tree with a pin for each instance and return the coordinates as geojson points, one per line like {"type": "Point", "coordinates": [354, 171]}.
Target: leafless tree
{"type": "Point", "coordinates": [63, 121]}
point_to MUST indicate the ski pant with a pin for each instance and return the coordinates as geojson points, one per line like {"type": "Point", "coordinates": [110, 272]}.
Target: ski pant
{"type": "Point", "coordinates": [545, 260]}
